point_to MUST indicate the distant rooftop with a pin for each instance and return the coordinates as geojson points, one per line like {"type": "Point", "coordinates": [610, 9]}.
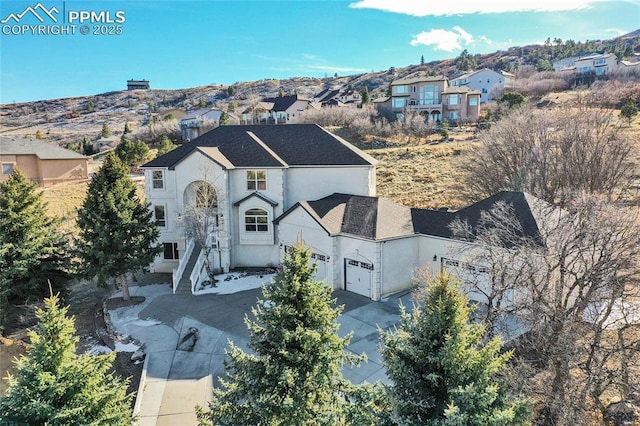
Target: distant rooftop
{"type": "Point", "coordinates": [13, 145]}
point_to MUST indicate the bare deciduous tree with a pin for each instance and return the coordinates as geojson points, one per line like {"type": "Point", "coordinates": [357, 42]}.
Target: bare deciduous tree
{"type": "Point", "coordinates": [575, 288]}
{"type": "Point", "coordinates": [554, 155]}
{"type": "Point", "coordinates": [203, 220]}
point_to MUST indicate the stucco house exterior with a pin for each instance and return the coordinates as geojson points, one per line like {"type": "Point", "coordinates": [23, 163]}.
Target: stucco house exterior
{"type": "Point", "coordinates": [593, 63]}
{"type": "Point", "coordinates": [41, 162]}
{"type": "Point", "coordinates": [276, 186]}
{"type": "Point", "coordinates": [434, 98]}
{"type": "Point", "coordinates": [257, 172]}
{"type": "Point", "coordinates": [483, 81]}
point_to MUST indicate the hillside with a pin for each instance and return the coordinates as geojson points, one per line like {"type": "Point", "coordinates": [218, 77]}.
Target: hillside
{"type": "Point", "coordinates": [71, 120]}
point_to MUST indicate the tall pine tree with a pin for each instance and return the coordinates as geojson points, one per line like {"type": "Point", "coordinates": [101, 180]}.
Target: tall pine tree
{"type": "Point", "coordinates": [32, 250]}
{"type": "Point", "coordinates": [54, 386]}
{"type": "Point", "coordinates": [117, 232]}
{"type": "Point", "coordinates": [293, 377]}
{"type": "Point", "coordinates": [441, 373]}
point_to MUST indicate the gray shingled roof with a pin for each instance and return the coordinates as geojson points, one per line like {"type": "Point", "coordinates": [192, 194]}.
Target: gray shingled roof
{"type": "Point", "coordinates": [377, 218]}
{"type": "Point", "coordinates": [271, 146]}
{"type": "Point", "coordinates": [368, 217]}
{"type": "Point", "coordinates": [12, 145]}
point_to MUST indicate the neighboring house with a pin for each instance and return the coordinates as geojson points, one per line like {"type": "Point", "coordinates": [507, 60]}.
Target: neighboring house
{"type": "Point", "coordinates": [257, 173]}
{"type": "Point", "coordinates": [594, 63]}
{"type": "Point", "coordinates": [337, 97]}
{"type": "Point", "coordinates": [432, 97]}
{"type": "Point", "coordinates": [483, 81]}
{"type": "Point", "coordinates": [137, 84]}
{"type": "Point", "coordinates": [43, 163]}
{"type": "Point", "coordinates": [278, 110]}
{"type": "Point", "coordinates": [276, 186]}
{"type": "Point", "coordinates": [106, 144]}
{"type": "Point", "coordinates": [194, 122]}
{"type": "Point", "coordinates": [597, 63]}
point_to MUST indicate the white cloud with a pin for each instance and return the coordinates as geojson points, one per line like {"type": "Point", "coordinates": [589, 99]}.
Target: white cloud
{"type": "Point", "coordinates": [465, 7]}
{"type": "Point", "coordinates": [443, 39]}
{"type": "Point", "coordinates": [486, 40]}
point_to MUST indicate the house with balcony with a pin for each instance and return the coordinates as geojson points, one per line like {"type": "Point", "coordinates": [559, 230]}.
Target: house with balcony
{"type": "Point", "coordinates": [434, 98]}
{"type": "Point", "coordinates": [483, 81]}
{"type": "Point", "coordinates": [596, 63]}
{"type": "Point", "coordinates": [194, 122]}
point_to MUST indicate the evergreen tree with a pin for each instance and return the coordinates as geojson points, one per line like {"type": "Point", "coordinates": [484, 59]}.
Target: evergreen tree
{"type": "Point", "coordinates": [117, 231]}
{"type": "Point", "coordinates": [293, 377]}
{"type": "Point", "coordinates": [629, 110]}
{"type": "Point", "coordinates": [440, 371]}
{"type": "Point", "coordinates": [233, 105]}
{"type": "Point", "coordinates": [224, 119]}
{"type": "Point", "coordinates": [127, 129]}
{"type": "Point", "coordinates": [512, 99]}
{"type": "Point", "coordinates": [422, 60]}
{"type": "Point", "coordinates": [32, 249]}
{"type": "Point", "coordinates": [54, 386]}
{"type": "Point", "coordinates": [106, 131]}
{"type": "Point", "coordinates": [165, 146]}
{"type": "Point", "coordinates": [465, 62]}
{"type": "Point", "coordinates": [365, 96]}
{"type": "Point", "coordinates": [132, 153]}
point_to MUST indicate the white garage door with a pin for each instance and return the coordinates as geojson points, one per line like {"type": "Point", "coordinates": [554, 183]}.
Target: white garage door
{"type": "Point", "coordinates": [358, 276]}
{"type": "Point", "coordinates": [320, 261]}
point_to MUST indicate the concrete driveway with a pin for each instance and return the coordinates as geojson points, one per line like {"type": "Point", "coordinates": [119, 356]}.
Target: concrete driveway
{"type": "Point", "coordinates": [174, 380]}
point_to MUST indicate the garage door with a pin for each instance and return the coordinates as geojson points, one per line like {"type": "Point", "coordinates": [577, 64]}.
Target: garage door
{"type": "Point", "coordinates": [358, 277]}
{"type": "Point", "coordinates": [320, 261]}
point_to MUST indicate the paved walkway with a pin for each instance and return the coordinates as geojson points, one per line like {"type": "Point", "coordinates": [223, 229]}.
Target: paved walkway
{"type": "Point", "coordinates": [174, 381]}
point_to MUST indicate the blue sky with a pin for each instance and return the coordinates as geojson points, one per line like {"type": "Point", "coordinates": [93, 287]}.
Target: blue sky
{"type": "Point", "coordinates": [179, 44]}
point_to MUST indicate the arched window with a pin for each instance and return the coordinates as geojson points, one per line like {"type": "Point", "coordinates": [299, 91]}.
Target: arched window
{"type": "Point", "coordinates": [256, 220]}
{"type": "Point", "coordinates": [206, 197]}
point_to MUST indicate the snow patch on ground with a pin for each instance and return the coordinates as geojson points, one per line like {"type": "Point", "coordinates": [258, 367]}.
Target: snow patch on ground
{"type": "Point", "coordinates": [234, 282]}
{"type": "Point", "coordinates": [126, 347]}
{"type": "Point", "coordinates": [98, 350]}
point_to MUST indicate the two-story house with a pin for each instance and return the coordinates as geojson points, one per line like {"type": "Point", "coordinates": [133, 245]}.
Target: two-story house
{"type": "Point", "coordinates": [275, 186]}
{"type": "Point", "coordinates": [193, 123]}
{"type": "Point", "coordinates": [257, 173]}
{"type": "Point", "coordinates": [432, 97]}
{"type": "Point", "coordinates": [597, 63]}
{"type": "Point", "coordinates": [278, 110]}
{"type": "Point", "coordinates": [483, 81]}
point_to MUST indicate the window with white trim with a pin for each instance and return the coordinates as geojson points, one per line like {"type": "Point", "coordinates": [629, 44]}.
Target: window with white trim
{"type": "Point", "coordinates": [473, 101]}
{"type": "Point", "coordinates": [170, 251]}
{"type": "Point", "coordinates": [7, 168]}
{"type": "Point", "coordinates": [256, 180]}
{"type": "Point", "coordinates": [453, 99]}
{"type": "Point", "coordinates": [159, 215]}
{"type": "Point", "coordinates": [256, 220]}
{"type": "Point", "coordinates": [157, 179]}
{"type": "Point", "coordinates": [453, 115]}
